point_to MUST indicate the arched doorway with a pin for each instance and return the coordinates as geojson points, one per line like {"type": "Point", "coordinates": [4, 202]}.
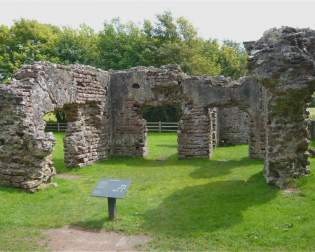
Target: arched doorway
{"type": "Point", "coordinates": [43, 88]}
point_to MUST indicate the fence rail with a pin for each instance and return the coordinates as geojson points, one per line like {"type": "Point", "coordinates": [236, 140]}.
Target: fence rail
{"type": "Point", "coordinates": [156, 127]}
{"type": "Point", "coordinates": [151, 126]}
{"type": "Point", "coordinates": [162, 126]}
{"type": "Point", "coordinates": [56, 127]}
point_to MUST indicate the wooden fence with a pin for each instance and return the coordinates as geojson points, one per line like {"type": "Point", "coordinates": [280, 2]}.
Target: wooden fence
{"type": "Point", "coordinates": [155, 127]}
{"type": "Point", "coordinates": [151, 126]}
{"type": "Point", "coordinates": [56, 127]}
{"type": "Point", "coordinates": [162, 126]}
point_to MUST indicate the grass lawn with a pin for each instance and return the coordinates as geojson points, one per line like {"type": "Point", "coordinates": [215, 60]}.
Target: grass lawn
{"type": "Point", "coordinates": [218, 204]}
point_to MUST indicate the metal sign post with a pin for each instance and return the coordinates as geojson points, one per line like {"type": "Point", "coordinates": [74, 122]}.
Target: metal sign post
{"type": "Point", "coordinates": [111, 208]}
{"type": "Point", "coordinates": [111, 189]}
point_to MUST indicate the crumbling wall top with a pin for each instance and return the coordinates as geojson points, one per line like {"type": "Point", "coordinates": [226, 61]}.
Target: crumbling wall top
{"type": "Point", "coordinates": [283, 58]}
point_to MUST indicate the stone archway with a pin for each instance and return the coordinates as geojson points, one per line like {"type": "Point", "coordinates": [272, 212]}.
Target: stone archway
{"type": "Point", "coordinates": [198, 95]}
{"type": "Point", "coordinates": [204, 93]}
{"type": "Point", "coordinates": [104, 118]}
{"type": "Point", "coordinates": [25, 148]}
{"type": "Point", "coordinates": [130, 91]}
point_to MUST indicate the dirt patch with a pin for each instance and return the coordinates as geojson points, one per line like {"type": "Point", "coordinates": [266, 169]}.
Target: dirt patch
{"type": "Point", "coordinates": [74, 239]}
{"type": "Point", "coordinates": [68, 176]}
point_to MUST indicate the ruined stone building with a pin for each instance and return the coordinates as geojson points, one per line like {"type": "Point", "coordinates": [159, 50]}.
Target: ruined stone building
{"type": "Point", "coordinates": [267, 109]}
{"type": "Point", "coordinates": [233, 126]}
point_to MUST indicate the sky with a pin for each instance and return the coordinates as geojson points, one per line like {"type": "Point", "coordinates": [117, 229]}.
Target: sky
{"type": "Point", "coordinates": [226, 19]}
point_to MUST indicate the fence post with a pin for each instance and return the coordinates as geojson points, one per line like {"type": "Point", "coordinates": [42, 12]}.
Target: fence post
{"type": "Point", "coordinates": [160, 126]}
{"type": "Point", "coordinates": [58, 127]}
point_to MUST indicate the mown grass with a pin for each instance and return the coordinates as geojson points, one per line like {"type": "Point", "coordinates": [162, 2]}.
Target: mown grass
{"type": "Point", "coordinates": [218, 204]}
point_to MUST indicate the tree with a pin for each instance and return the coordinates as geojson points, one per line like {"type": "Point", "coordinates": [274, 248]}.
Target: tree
{"type": "Point", "coordinates": [233, 59]}
{"type": "Point", "coordinates": [6, 66]}
{"type": "Point", "coordinates": [76, 46]}
{"type": "Point", "coordinates": [23, 43]}
{"type": "Point", "coordinates": [118, 45]}
{"type": "Point", "coordinates": [122, 46]}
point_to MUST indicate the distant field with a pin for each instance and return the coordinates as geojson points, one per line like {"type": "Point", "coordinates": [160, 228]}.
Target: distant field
{"type": "Point", "coordinates": [220, 204]}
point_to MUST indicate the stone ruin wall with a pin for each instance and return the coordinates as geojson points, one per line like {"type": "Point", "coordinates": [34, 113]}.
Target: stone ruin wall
{"type": "Point", "coordinates": [133, 89]}
{"type": "Point", "coordinates": [129, 132]}
{"type": "Point", "coordinates": [257, 121]}
{"type": "Point", "coordinates": [214, 127]}
{"type": "Point", "coordinates": [25, 148]}
{"type": "Point", "coordinates": [194, 133]}
{"type": "Point", "coordinates": [283, 63]}
{"type": "Point", "coordinates": [200, 123]}
{"type": "Point", "coordinates": [103, 110]}
{"type": "Point", "coordinates": [88, 123]}
{"type": "Point", "coordinates": [233, 126]}
{"type": "Point", "coordinates": [137, 87]}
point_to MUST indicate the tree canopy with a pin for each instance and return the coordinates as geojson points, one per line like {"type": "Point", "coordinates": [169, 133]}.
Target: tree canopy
{"type": "Point", "coordinates": [120, 45]}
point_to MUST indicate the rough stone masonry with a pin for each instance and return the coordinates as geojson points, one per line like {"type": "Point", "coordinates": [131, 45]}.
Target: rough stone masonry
{"type": "Point", "coordinates": [103, 111]}
{"type": "Point", "coordinates": [25, 148]}
{"type": "Point", "coordinates": [283, 63]}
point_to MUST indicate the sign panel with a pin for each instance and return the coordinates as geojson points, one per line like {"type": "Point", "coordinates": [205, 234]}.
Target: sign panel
{"type": "Point", "coordinates": [111, 188]}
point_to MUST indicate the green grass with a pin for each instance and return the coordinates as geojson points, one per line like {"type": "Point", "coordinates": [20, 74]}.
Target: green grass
{"type": "Point", "coordinates": [218, 204]}
{"type": "Point", "coordinates": [312, 113]}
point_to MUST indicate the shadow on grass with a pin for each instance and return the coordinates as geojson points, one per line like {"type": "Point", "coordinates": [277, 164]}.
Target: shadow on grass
{"type": "Point", "coordinates": [8, 189]}
{"type": "Point", "coordinates": [202, 168]}
{"type": "Point", "coordinates": [91, 225]}
{"type": "Point", "coordinates": [215, 168]}
{"type": "Point", "coordinates": [173, 146]}
{"type": "Point", "coordinates": [208, 207]}
{"type": "Point", "coordinates": [205, 168]}
{"type": "Point", "coordinates": [60, 166]}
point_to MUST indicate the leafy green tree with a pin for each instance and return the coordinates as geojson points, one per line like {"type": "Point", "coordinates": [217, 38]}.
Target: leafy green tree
{"type": "Point", "coordinates": [233, 59]}
{"type": "Point", "coordinates": [166, 29]}
{"type": "Point", "coordinates": [6, 66]}
{"type": "Point", "coordinates": [122, 46]}
{"type": "Point", "coordinates": [76, 46]}
{"type": "Point", "coordinates": [23, 43]}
